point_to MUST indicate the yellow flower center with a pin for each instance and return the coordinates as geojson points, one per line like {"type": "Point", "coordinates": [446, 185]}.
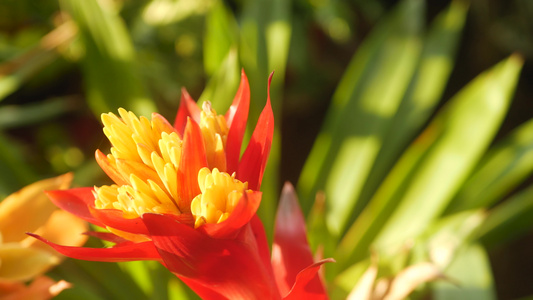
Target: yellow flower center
{"type": "Point", "coordinates": [215, 132]}
{"type": "Point", "coordinates": [220, 195]}
{"type": "Point", "coordinates": [146, 156]}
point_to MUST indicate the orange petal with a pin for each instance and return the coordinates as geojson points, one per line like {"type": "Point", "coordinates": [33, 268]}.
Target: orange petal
{"type": "Point", "coordinates": [193, 158]}
{"type": "Point", "coordinates": [29, 208]}
{"type": "Point", "coordinates": [42, 288]}
{"type": "Point", "coordinates": [254, 159]}
{"type": "Point", "coordinates": [62, 228]}
{"type": "Point", "coordinates": [21, 263]}
{"type": "Point", "coordinates": [187, 109]}
{"type": "Point", "coordinates": [236, 118]}
{"type": "Point", "coordinates": [110, 170]}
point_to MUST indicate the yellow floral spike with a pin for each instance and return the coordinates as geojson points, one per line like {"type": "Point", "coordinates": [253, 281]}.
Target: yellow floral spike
{"type": "Point", "coordinates": [147, 156]}
{"type": "Point", "coordinates": [215, 132]}
{"type": "Point", "coordinates": [220, 195]}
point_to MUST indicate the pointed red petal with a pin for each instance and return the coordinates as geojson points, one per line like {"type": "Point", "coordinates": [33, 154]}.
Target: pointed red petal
{"type": "Point", "coordinates": [291, 252]}
{"type": "Point", "coordinates": [187, 109]}
{"type": "Point", "coordinates": [228, 267]}
{"type": "Point", "coordinates": [254, 159]}
{"type": "Point", "coordinates": [115, 218]}
{"type": "Point", "coordinates": [236, 117]}
{"type": "Point", "coordinates": [121, 252]}
{"type": "Point", "coordinates": [305, 286]}
{"type": "Point", "coordinates": [193, 158]}
{"type": "Point", "coordinates": [258, 231]}
{"type": "Point", "coordinates": [107, 236]}
{"type": "Point", "coordinates": [76, 201]}
{"type": "Point", "coordinates": [241, 215]}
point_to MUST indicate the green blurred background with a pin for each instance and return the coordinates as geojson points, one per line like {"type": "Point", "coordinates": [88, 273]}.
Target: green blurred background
{"type": "Point", "coordinates": [63, 63]}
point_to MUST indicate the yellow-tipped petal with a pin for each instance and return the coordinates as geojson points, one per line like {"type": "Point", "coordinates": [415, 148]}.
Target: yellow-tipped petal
{"type": "Point", "coordinates": [61, 228]}
{"type": "Point", "coordinates": [220, 195]}
{"type": "Point", "coordinates": [20, 263]}
{"type": "Point", "coordinates": [215, 132]}
{"type": "Point", "coordinates": [28, 209]}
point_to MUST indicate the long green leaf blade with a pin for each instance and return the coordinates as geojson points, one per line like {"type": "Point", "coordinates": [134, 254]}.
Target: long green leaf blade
{"type": "Point", "coordinates": [433, 71]}
{"type": "Point", "coordinates": [466, 127]}
{"type": "Point", "coordinates": [111, 77]}
{"type": "Point", "coordinates": [508, 220]}
{"type": "Point", "coordinates": [430, 171]}
{"type": "Point", "coordinates": [362, 110]}
{"type": "Point", "coordinates": [501, 170]}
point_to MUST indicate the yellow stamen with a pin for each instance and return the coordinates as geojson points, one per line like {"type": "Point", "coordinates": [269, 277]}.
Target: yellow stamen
{"type": "Point", "coordinates": [215, 132]}
{"type": "Point", "coordinates": [147, 154]}
{"type": "Point", "coordinates": [220, 195]}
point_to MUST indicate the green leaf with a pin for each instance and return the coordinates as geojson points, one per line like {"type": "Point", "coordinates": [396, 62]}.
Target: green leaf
{"type": "Point", "coordinates": [111, 77]}
{"type": "Point", "coordinates": [423, 94]}
{"type": "Point", "coordinates": [431, 170]}
{"type": "Point", "coordinates": [362, 111]}
{"type": "Point", "coordinates": [508, 220]}
{"type": "Point", "coordinates": [29, 114]}
{"type": "Point", "coordinates": [220, 37]}
{"type": "Point", "coordinates": [465, 129]}
{"type": "Point", "coordinates": [12, 162]}
{"type": "Point", "coordinates": [264, 46]}
{"type": "Point", "coordinates": [469, 277]}
{"type": "Point", "coordinates": [16, 71]}
{"type": "Point", "coordinates": [447, 235]}
{"type": "Point", "coordinates": [501, 170]}
{"type": "Point", "coordinates": [222, 86]}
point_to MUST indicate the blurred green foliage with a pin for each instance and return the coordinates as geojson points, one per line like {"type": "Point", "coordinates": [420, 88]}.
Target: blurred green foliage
{"type": "Point", "coordinates": [401, 145]}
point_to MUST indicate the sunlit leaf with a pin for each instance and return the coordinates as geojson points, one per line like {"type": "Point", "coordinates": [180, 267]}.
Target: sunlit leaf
{"type": "Point", "coordinates": [423, 94]}
{"type": "Point", "coordinates": [508, 220]}
{"type": "Point", "coordinates": [464, 129]}
{"type": "Point", "coordinates": [362, 110]}
{"type": "Point", "coordinates": [501, 170]}
{"type": "Point", "coordinates": [111, 77]}
{"type": "Point", "coordinates": [469, 277]}
{"type": "Point", "coordinates": [431, 170]}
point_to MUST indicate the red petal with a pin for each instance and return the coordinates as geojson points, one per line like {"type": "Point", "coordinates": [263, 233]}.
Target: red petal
{"type": "Point", "coordinates": [254, 159]}
{"type": "Point", "coordinates": [193, 158]}
{"type": "Point", "coordinates": [241, 215]}
{"type": "Point", "coordinates": [121, 252]}
{"type": "Point", "coordinates": [304, 287]}
{"type": "Point", "coordinates": [107, 236]}
{"type": "Point", "coordinates": [111, 171]}
{"type": "Point", "coordinates": [76, 201]}
{"type": "Point", "coordinates": [228, 267]}
{"type": "Point", "coordinates": [291, 252]}
{"type": "Point", "coordinates": [259, 234]}
{"type": "Point", "coordinates": [236, 117]}
{"type": "Point", "coordinates": [187, 109]}
{"type": "Point", "coordinates": [114, 218]}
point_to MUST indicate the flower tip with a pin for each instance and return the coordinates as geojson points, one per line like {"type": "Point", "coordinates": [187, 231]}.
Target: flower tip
{"type": "Point", "coordinates": [270, 79]}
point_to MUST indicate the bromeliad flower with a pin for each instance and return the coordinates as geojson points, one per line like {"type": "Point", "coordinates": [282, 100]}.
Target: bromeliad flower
{"type": "Point", "coordinates": [184, 196]}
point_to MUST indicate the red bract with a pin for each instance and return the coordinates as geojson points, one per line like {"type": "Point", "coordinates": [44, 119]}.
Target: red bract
{"type": "Point", "coordinates": [175, 201]}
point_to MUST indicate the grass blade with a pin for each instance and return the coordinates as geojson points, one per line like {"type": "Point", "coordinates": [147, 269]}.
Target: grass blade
{"type": "Point", "coordinates": [111, 77]}
{"type": "Point", "coordinates": [500, 171]}
{"type": "Point", "coordinates": [362, 110]}
{"type": "Point", "coordinates": [466, 127]}
{"type": "Point", "coordinates": [433, 71]}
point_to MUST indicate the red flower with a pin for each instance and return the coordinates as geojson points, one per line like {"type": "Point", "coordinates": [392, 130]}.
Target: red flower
{"type": "Point", "coordinates": [175, 201]}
